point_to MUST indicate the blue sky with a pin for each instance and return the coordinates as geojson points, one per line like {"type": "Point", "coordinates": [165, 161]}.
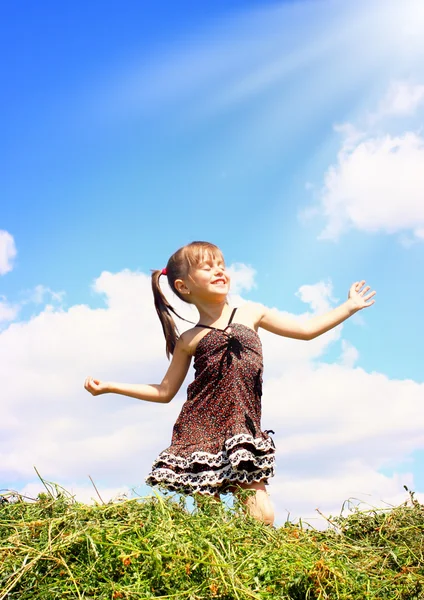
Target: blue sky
{"type": "Point", "coordinates": [289, 133]}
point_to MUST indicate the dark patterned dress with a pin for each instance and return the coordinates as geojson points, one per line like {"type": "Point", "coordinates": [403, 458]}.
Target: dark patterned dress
{"type": "Point", "coordinates": [217, 440]}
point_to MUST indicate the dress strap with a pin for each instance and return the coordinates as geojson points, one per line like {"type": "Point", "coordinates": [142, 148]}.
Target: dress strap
{"type": "Point", "coordinates": [232, 315]}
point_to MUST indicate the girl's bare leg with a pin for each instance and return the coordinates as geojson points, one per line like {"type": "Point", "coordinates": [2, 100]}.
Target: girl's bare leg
{"type": "Point", "coordinates": [258, 506]}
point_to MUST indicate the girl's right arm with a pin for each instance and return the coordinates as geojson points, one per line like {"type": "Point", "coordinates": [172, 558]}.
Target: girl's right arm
{"type": "Point", "coordinates": [164, 392]}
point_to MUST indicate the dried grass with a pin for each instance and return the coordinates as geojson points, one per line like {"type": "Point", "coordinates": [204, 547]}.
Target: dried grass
{"type": "Point", "coordinates": [155, 548]}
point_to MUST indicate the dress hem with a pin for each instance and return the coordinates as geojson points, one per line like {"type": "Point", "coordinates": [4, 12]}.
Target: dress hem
{"type": "Point", "coordinates": [164, 478]}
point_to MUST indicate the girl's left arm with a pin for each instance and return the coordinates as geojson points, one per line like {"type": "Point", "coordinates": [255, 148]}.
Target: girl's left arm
{"type": "Point", "coordinates": [289, 327]}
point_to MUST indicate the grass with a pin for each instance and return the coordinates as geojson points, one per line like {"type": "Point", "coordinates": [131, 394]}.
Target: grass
{"type": "Point", "coordinates": [56, 548]}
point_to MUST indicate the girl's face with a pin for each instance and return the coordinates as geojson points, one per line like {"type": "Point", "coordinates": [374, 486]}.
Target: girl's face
{"type": "Point", "coordinates": [208, 280]}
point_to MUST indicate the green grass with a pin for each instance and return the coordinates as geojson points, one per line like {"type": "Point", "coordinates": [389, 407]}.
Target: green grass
{"type": "Point", "coordinates": [154, 547]}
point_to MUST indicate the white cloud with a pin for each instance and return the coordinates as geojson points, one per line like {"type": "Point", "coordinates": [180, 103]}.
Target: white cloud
{"type": "Point", "coordinates": [377, 182]}
{"type": "Point", "coordinates": [349, 354]}
{"type": "Point", "coordinates": [333, 423]}
{"type": "Point", "coordinates": [41, 292]}
{"type": "Point", "coordinates": [402, 99]}
{"type": "Point", "coordinates": [318, 296]}
{"type": "Point", "coordinates": [376, 185]}
{"type": "Point", "coordinates": [7, 252]}
{"type": "Point", "coordinates": [39, 295]}
{"type": "Point", "coordinates": [8, 312]}
{"type": "Point", "coordinates": [335, 428]}
{"type": "Point", "coordinates": [335, 495]}
{"type": "Point", "coordinates": [242, 277]}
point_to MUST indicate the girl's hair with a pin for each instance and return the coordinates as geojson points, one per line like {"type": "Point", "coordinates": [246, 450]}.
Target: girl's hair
{"type": "Point", "coordinates": [178, 267]}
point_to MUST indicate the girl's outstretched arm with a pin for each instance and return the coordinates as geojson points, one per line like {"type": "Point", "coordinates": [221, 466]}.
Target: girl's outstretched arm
{"type": "Point", "coordinates": [289, 327]}
{"type": "Point", "coordinates": [357, 300]}
{"type": "Point", "coordinates": [163, 392]}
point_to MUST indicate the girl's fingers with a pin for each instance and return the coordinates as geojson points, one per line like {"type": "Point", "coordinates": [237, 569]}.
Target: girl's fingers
{"type": "Point", "coordinates": [91, 384]}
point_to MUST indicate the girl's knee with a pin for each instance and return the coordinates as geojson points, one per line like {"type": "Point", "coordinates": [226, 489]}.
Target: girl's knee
{"type": "Point", "coordinates": [265, 507]}
{"type": "Point", "coordinates": [269, 515]}
{"type": "Point", "coordinates": [258, 505]}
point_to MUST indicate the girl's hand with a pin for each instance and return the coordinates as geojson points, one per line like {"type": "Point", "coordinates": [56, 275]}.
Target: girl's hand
{"type": "Point", "coordinates": [95, 387]}
{"type": "Point", "coordinates": [357, 296]}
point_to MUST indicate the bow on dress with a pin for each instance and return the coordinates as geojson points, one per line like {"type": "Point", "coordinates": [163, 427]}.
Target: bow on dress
{"type": "Point", "coordinates": [233, 348]}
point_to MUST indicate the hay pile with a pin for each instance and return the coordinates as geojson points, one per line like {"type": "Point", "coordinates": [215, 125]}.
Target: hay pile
{"type": "Point", "coordinates": [56, 548]}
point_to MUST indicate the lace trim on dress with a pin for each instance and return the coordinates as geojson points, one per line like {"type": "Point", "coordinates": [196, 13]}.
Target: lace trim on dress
{"type": "Point", "coordinates": [235, 458]}
{"type": "Point", "coordinates": [209, 482]}
{"type": "Point", "coordinates": [216, 460]}
{"type": "Point", "coordinates": [224, 466]}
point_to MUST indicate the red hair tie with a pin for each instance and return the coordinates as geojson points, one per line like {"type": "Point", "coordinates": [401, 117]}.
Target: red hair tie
{"type": "Point", "coordinates": [164, 271]}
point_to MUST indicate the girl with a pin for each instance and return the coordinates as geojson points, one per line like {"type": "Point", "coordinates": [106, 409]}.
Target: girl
{"type": "Point", "coordinates": [218, 445]}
